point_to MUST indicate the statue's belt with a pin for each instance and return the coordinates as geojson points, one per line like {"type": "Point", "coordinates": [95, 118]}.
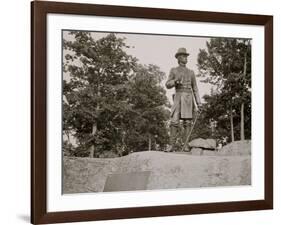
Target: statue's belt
{"type": "Point", "coordinates": [183, 89]}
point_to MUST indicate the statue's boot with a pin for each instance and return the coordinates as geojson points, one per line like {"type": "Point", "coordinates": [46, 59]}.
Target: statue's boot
{"type": "Point", "coordinates": [186, 131]}
{"type": "Point", "coordinates": [173, 138]}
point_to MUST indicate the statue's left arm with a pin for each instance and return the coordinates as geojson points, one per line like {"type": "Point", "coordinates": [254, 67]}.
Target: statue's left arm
{"type": "Point", "coordinates": [195, 88]}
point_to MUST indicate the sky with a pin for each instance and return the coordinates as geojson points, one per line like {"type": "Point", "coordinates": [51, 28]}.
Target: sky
{"type": "Point", "coordinates": [160, 50]}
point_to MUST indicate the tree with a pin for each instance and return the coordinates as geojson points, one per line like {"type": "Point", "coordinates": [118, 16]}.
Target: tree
{"type": "Point", "coordinates": [227, 64]}
{"type": "Point", "coordinates": [111, 102]}
{"type": "Point", "coordinates": [95, 92]}
{"type": "Point", "coordinates": [149, 101]}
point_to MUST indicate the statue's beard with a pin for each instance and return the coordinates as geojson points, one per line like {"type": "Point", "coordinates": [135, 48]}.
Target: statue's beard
{"type": "Point", "coordinates": [182, 63]}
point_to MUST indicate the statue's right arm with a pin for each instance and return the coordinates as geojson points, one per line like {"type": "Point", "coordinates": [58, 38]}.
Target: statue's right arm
{"type": "Point", "coordinates": [171, 80]}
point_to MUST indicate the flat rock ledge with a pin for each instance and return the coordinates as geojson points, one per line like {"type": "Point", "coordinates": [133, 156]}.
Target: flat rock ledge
{"type": "Point", "coordinates": [166, 171]}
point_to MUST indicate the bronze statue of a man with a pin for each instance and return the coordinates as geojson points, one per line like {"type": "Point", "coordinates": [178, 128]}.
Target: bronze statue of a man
{"type": "Point", "coordinates": [184, 81]}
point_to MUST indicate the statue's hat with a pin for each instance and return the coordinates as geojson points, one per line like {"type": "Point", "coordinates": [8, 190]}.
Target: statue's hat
{"type": "Point", "coordinates": [181, 51]}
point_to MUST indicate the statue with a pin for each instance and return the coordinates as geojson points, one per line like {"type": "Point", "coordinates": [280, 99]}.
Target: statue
{"type": "Point", "coordinates": [186, 92]}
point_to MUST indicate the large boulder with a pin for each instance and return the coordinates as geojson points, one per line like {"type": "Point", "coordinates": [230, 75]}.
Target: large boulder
{"type": "Point", "coordinates": [236, 148]}
{"type": "Point", "coordinates": [154, 170]}
{"type": "Point", "coordinates": [203, 143]}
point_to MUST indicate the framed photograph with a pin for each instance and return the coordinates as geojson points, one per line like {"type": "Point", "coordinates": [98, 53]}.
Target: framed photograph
{"type": "Point", "coordinates": [145, 112]}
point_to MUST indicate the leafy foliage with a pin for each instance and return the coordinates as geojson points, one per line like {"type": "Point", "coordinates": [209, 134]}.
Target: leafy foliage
{"type": "Point", "coordinates": [148, 99]}
{"type": "Point", "coordinates": [110, 101]}
{"type": "Point", "coordinates": [226, 63]}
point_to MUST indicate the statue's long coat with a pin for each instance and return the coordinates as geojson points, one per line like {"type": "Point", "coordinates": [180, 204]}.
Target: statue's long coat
{"type": "Point", "coordinates": [183, 99]}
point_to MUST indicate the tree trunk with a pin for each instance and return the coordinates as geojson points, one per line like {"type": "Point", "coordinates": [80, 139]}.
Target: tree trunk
{"type": "Point", "coordinates": [68, 136]}
{"type": "Point", "coordinates": [149, 142]}
{"type": "Point", "coordinates": [231, 125]}
{"type": "Point", "coordinates": [123, 143]}
{"type": "Point", "coordinates": [92, 151]}
{"type": "Point", "coordinates": [242, 133]}
{"type": "Point", "coordinates": [92, 148]}
{"type": "Point", "coordinates": [94, 126]}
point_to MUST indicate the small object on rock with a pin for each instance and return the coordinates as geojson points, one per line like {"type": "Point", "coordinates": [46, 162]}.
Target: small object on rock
{"type": "Point", "coordinates": [197, 151]}
{"type": "Point", "coordinates": [127, 181]}
{"type": "Point", "coordinates": [170, 148]}
{"type": "Point", "coordinates": [203, 143]}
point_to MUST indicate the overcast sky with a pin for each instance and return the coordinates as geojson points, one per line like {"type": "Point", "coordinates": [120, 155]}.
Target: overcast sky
{"type": "Point", "coordinates": [160, 50]}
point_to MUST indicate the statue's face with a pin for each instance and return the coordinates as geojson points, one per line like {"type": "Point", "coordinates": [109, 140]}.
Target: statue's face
{"type": "Point", "coordinates": [182, 59]}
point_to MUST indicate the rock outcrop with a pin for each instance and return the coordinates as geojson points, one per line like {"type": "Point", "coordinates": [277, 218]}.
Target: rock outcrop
{"type": "Point", "coordinates": [236, 148]}
{"type": "Point", "coordinates": [203, 143]}
{"type": "Point", "coordinates": [166, 171]}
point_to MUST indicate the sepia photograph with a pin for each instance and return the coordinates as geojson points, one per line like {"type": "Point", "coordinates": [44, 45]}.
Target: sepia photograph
{"type": "Point", "coordinates": [154, 111]}
{"type": "Point", "coordinates": [147, 112]}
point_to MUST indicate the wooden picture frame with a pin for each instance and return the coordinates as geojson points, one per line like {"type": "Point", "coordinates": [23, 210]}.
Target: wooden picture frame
{"type": "Point", "coordinates": [39, 11]}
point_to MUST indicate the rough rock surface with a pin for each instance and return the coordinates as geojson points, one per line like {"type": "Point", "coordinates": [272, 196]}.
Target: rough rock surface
{"type": "Point", "coordinates": [209, 152]}
{"type": "Point", "coordinates": [197, 151]}
{"type": "Point", "coordinates": [203, 143]}
{"type": "Point", "coordinates": [167, 171]}
{"type": "Point", "coordinates": [236, 148]}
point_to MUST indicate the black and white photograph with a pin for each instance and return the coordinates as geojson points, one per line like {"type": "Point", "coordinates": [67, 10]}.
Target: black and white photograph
{"type": "Point", "coordinates": [149, 112]}
{"type": "Point", "coordinates": [154, 111]}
